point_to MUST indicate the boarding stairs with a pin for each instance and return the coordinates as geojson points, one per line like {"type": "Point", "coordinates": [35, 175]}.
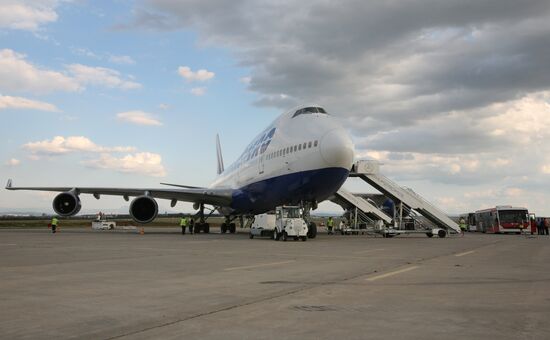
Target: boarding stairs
{"type": "Point", "coordinates": [347, 200]}
{"type": "Point", "coordinates": [369, 172]}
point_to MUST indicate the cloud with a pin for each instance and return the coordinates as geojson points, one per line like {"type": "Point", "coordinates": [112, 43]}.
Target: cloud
{"type": "Point", "coordinates": [8, 102]}
{"type": "Point", "coordinates": [27, 15]}
{"type": "Point", "coordinates": [163, 106]}
{"type": "Point", "coordinates": [245, 80]}
{"type": "Point", "coordinates": [451, 94]}
{"type": "Point", "coordinates": [200, 75]}
{"type": "Point", "coordinates": [145, 163]}
{"type": "Point", "coordinates": [393, 64]}
{"type": "Point", "coordinates": [18, 75]}
{"type": "Point", "coordinates": [122, 59]}
{"type": "Point", "coordinates": [60, 145]}
{"type": "Point", "coordinates": [84, 52]}
{"type": "Point", "coordinates": [138, 118]}
{"type": "Point", "coordinates": [13, 162]}
{"type": "Point", "coordinates": [101, 76]}
{"type": "Point", "coordinates": [198, 91]}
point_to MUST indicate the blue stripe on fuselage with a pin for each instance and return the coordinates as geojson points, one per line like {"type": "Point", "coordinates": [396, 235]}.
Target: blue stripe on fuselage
{"type": "Point", "coordinates": [265, 195]}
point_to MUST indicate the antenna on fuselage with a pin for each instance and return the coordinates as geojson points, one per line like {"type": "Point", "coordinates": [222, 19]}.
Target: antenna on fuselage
{"type": "Point", "coordinates": [219, 154]}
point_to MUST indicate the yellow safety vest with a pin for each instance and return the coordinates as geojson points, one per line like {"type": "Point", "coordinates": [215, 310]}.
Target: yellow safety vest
{"type": "Point", "coordinates": [330, 223]}
{"type": "Point", "coordinates": [183, 222]}
{"type": "Point", "coordinates": [54, 221]}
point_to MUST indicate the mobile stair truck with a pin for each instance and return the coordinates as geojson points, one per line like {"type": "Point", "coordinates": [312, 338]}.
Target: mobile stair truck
{"type": "Point", "coordinates": [287, 222]}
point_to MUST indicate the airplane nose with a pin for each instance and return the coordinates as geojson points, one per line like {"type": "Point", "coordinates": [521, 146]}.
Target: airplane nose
{"type": "Point", "coordinates": [337, 149]}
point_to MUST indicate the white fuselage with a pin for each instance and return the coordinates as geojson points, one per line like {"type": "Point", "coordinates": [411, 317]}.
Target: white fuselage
{"type": "Point", "coordinates": [296, 158]}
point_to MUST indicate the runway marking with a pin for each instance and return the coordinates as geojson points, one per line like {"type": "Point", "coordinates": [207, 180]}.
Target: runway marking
{"type": "Point", "coordinates": [8, 244]}
{"type": "Point", "coordinates": [260, 265]}
{"type": "Point", "coordinates": [367, 251]}
{"type": "Point", "coordinates": [465, 253]}
{"type": "Point", "coordinates": [378, 277]}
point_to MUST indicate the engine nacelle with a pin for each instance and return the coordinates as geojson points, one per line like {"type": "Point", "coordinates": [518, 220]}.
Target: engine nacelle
{"type": "Point", "coordinates": [66, 204]}
{"type": "Point", "coordinates": [144, 209]}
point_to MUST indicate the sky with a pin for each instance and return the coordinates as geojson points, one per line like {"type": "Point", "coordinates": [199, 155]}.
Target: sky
{"type": "Point", "coordinates": [452, 97]}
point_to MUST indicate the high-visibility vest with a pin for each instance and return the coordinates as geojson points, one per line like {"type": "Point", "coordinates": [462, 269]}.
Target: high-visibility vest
{"type": "Point", "coordinates": [183, 222]}
{"type": "Point", "coordinates": [330, 222]}
{"type": "Point", "coordinates": [54, 221]}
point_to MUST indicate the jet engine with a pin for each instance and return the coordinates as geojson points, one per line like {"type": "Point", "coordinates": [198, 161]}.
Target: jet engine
{"type": "Point", "coordinates": [66, 204]}
{"type": "Point", "coordinates": [144, 209]}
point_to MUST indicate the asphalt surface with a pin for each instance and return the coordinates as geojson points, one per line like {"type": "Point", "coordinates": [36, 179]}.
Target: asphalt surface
{"type": "Point", "coordinates": [120, 284]}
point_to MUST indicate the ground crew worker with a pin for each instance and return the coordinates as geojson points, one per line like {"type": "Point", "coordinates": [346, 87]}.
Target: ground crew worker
{"type": "Point", "coordinates": [330, 225]}
{"type": "Point", "coordinates": [540, 227]}
{"type": "Point", "coordinates": [54, 224]}
{"type": "Point", "coordinates": [462, 224]}
{"type": "Point", "coordinates": [191, 225]}
{"type": "Point", "coordinates": [342, 226]}
{"type": "Point", "coordinates": [183, 224]}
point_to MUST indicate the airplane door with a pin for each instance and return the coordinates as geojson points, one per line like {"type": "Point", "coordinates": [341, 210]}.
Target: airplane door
{"type": "Point", "coordinates": [261, 164]}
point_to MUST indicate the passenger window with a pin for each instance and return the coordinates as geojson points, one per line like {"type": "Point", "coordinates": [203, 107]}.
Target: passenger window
{"type": "Point", "coordinates": [305, 146]}
{"type": "Point", "coordinates": [309, 145]}
{"type": "Point", "coordinates": [295, 148]}
{"type": "Point", "coordinates": [315, 144]}
{"type": "Point", "coordinates": [299, 147]}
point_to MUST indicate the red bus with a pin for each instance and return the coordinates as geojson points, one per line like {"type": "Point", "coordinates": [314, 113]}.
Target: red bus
{"type": "Point", "coordinates": [502, 219]}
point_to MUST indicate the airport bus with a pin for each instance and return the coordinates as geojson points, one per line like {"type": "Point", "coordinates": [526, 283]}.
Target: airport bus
{"type": "Point", "coordinates": [502, 219]}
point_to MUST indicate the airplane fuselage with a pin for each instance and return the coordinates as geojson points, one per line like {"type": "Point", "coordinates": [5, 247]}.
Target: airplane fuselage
{"type": "Point", "coordinates": [303, 156]}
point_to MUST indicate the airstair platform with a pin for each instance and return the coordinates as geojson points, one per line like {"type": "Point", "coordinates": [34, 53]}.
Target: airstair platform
{"type": "Point", "coordinates": [369, 172]}
{"type": "Point", "coordinates": [362, 204]}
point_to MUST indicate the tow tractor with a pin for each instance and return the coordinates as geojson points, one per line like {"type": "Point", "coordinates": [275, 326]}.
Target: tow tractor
{"type": "Point", "coordinates": [287, 222]}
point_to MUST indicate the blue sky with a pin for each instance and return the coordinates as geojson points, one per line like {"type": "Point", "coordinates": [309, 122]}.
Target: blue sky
{"type": "Point", "coordinates": [85, 34]}
{"type": "Point", "coordinates": [454, 100]}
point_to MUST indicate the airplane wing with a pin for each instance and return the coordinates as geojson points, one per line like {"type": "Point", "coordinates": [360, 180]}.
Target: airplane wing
{"type": "Point", "coordinates": [217, 197]}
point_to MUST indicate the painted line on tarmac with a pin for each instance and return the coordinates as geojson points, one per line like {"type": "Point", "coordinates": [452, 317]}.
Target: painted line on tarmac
{"type": "Point", "coordinates": [465, 253]}
{"type": "Point", "coordinates": [8, 244]}
{"type": "Point", "coordinates": [259, 265]}
{"type": "Point", "coordinates": [404, 270]}
{"type": "Point", "coordinates": [368, 251]}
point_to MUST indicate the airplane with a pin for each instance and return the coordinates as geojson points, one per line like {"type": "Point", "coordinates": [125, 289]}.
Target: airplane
{"type": "Point", "coordinates": [302, 158]}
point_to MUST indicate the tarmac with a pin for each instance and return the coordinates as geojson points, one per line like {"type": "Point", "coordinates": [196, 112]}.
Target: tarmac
{"type": "Point", "coordinates": [119, 284]}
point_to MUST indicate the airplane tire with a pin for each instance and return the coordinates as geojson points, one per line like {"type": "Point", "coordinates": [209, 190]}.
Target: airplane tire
{"type": "Point", "coordinates": [223, 228]}
{"type": "Point", "coordinates": [232, 228]}
{"type": "Point", "coordinates": [285, 236]}
{"type": "Point", "coordinates": [303, 238]}
{"type": "Point", "coordinates": [206, 228]}
{"type": "Point", "coordinates": [276, 235]}
{"type": "Point", "coordinates": [429, 234]}
{"type": "Point", "coordinates": [312, 230]}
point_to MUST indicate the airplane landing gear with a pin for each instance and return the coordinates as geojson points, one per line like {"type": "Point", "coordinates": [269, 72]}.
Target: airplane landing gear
{"type": "Point", "coordinates": [312, 227]}
{"type": "Point", "coordinates": [228, 226]}
{"type": "Point", "coordinates": [202, 225]}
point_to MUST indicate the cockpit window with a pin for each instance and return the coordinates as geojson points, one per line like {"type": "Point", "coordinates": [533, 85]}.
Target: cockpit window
{"type": "Point", "coordinates": [308, 110]}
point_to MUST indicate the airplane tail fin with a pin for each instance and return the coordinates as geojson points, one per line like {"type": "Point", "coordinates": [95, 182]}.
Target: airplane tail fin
{"type": "Point", "coordinates": [219, 153]}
